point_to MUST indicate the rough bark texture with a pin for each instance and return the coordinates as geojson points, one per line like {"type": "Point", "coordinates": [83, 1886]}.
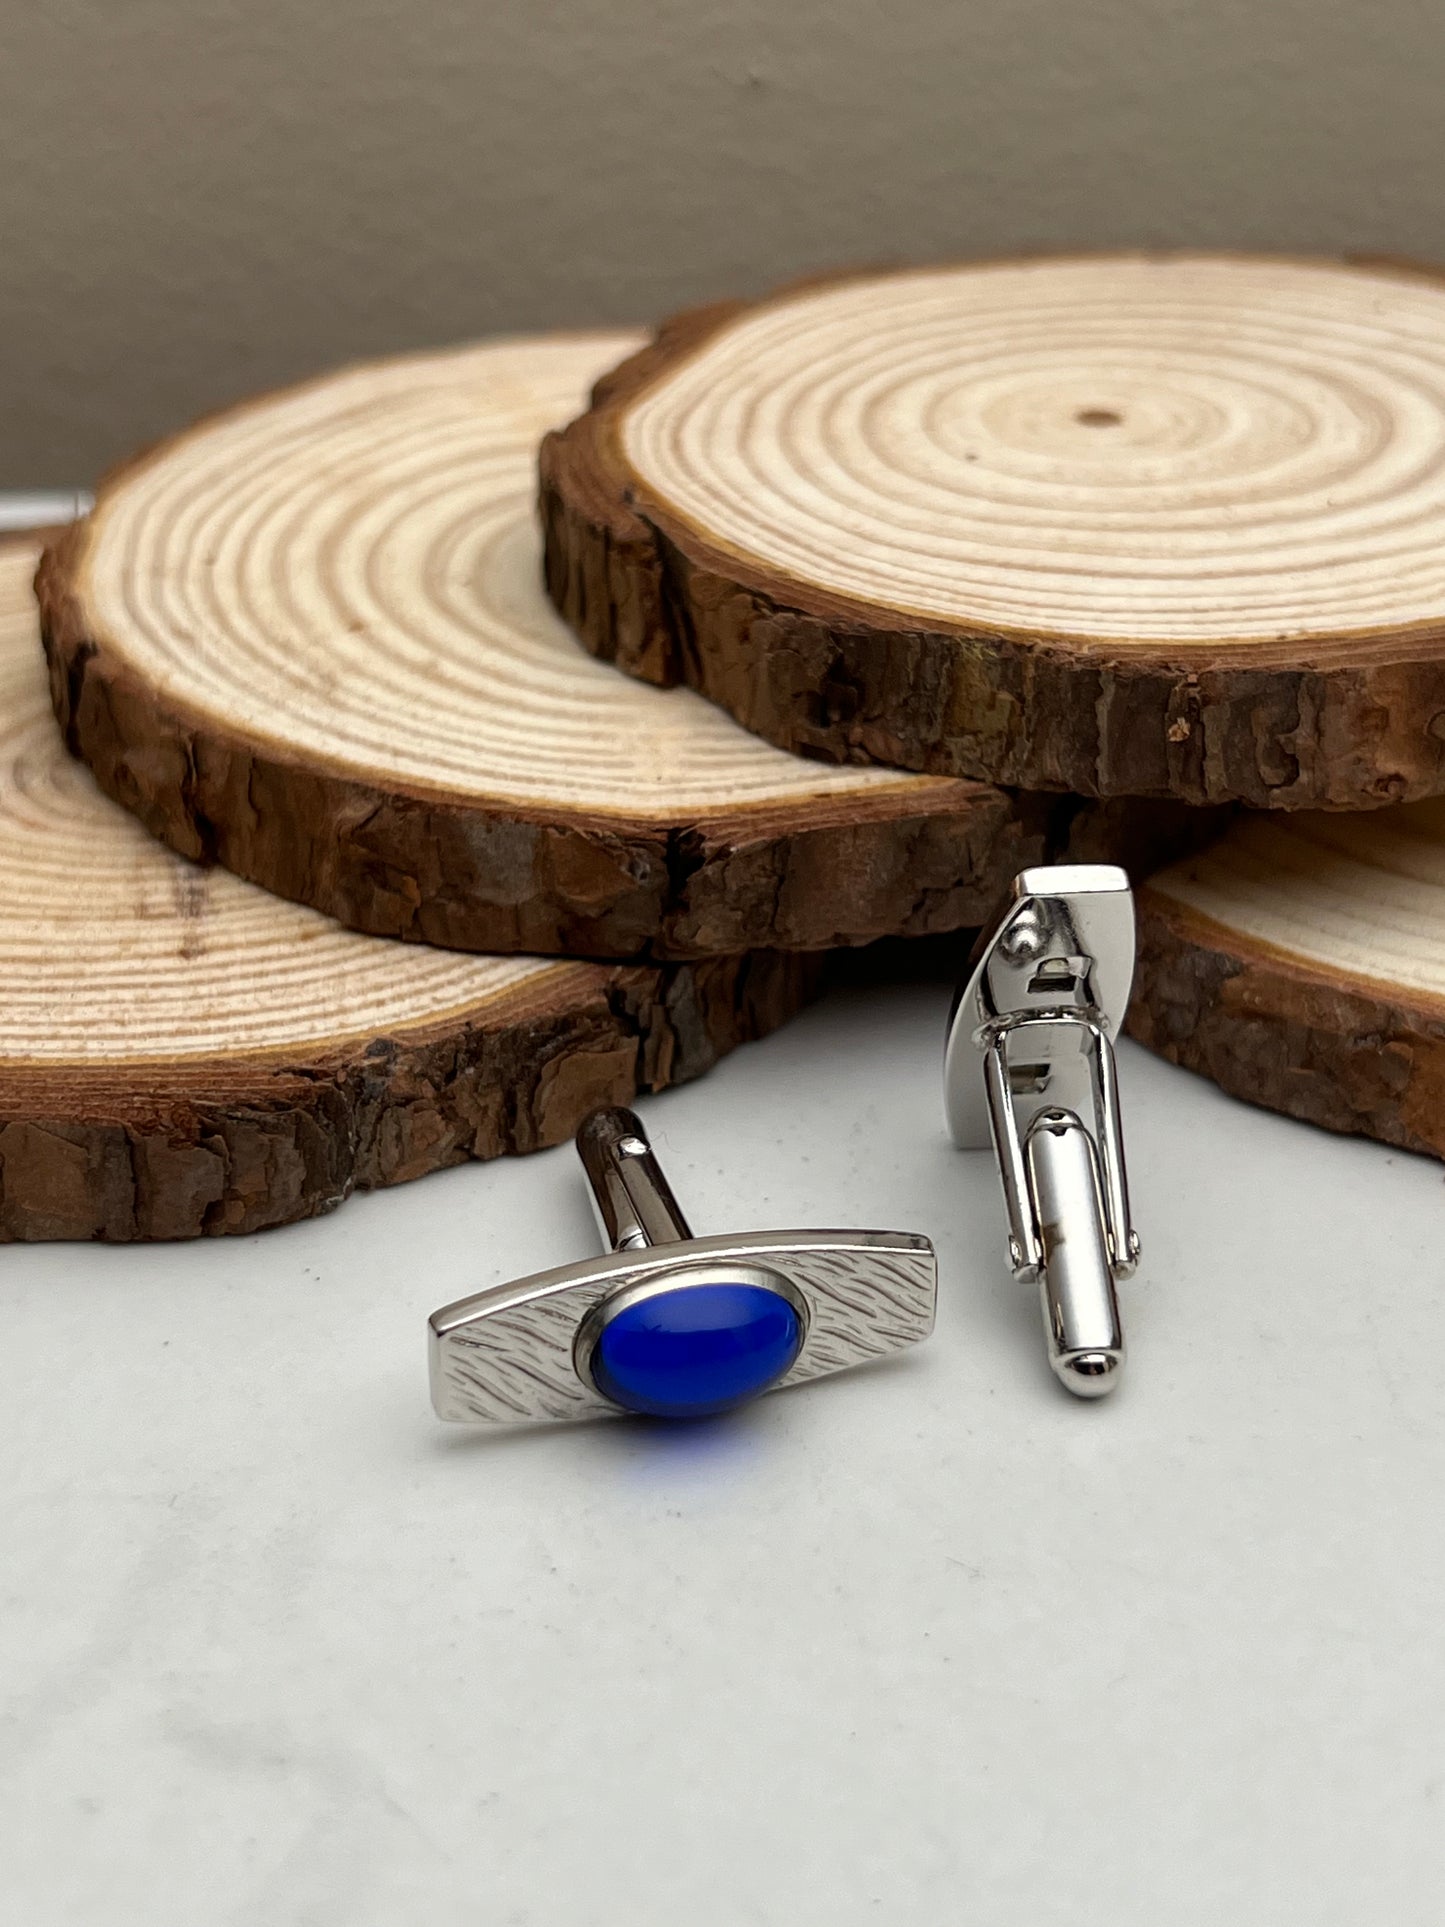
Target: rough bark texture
{"type": "Point", "coordinates": [1274, 1031]}
{"type": "Point", "coordinates": [180, 1151]}
{"type": "Point", "coordinates": [925, 858]}
{"type": "Point", "coordinates": [1357, 724]}
{"type": "Point", "coordinates": [506, 877]}
{"type": "Point", "coordinates": [182, 1055]}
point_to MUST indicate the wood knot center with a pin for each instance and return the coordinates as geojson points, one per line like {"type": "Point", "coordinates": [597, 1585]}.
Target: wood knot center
{"type": "Point", "coordinates": [1099, 418]}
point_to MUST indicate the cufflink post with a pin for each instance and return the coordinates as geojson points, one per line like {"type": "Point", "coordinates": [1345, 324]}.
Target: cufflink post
{"type": "Point", "coordinates": [1048, 990]}
{"type": "Point", "coordinates": [631, 1199]}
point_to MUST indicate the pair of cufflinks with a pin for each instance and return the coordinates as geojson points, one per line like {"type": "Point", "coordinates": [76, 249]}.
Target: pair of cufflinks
{"type": "Point", "coordinates": [682, 1327]}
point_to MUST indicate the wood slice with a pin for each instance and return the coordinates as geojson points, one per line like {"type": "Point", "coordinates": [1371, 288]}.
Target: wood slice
{"type": "Point", "coordinates": [309, 639]}
{"type": "Point", "coordinates": [181, 1053]}
{"type": "Point", "coordinates": [1128, 525]}
{"type": "Point", "coordinates": [1300, 963]}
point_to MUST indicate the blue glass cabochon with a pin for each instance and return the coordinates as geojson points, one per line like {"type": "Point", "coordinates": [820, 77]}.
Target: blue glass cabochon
{"type": "Point", "coordinates": [693, 1350]}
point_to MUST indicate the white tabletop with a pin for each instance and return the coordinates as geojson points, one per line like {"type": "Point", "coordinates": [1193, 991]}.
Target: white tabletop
{"type": "Point", "coordinates": [931, 1643]}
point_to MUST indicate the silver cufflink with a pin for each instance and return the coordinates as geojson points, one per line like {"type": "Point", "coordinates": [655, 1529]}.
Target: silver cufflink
{"type": "Point", "coordinates": [1029, 1064]}
{"type": "Point", "coordinates": [670, 1324]}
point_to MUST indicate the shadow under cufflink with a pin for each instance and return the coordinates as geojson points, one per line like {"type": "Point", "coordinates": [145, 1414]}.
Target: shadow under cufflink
{"type": "Point", "coordinates": [668, 1324]}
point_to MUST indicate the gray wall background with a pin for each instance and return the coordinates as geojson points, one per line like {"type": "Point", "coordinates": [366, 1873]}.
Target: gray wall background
{"type": "Point", "coordinates": [202, 197]}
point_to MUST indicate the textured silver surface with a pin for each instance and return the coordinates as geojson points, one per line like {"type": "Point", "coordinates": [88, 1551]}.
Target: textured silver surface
{"type": "Point", "coordinates": [506, 1354]}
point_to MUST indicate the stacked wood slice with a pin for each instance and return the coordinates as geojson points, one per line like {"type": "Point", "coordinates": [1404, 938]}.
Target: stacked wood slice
{"type": "Point", "coordinates": [1300, 963]}
{"type": "Point", "coordinates": [1029, 559]}
{"type": "Point", "coordinates": [309, 639]}
{"type": "Point", "coordinates": [1125, 525]}
{"type": "Point", "coordinates": [182, 1053]}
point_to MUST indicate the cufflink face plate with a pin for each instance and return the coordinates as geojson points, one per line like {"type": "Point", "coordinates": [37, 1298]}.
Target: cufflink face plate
{"type": "Point", "coordinates": [672, 1325]}
{"type": "Point", "coordinates": [530, 1350]}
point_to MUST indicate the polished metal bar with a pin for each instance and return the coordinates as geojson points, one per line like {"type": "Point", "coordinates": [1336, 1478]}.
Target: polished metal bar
{"type": "Point", "coordinates": [1025, 1252]}
{"type": "Point", "coordinates": [41, 508]}
{"type": "Point", "coordinates": [1076, 1281]}
{"type": "Point", "coordinates": [1123, 1239]}
{"type": "Point", "coordinates": [631, 1199]}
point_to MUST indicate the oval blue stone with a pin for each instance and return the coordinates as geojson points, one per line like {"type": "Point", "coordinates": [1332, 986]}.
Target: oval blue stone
{"type": "Point", "coordinates": [696, 1349]}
